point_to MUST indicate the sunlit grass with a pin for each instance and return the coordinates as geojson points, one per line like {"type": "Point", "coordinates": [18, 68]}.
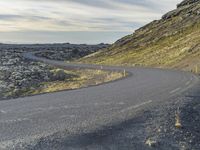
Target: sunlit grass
{"type": "Point", "coordinates": [169, 51]}
{"type": "Point", "coordinates": [79, 79]}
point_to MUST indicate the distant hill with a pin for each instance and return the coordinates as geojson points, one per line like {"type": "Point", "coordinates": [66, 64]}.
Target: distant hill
{"type": "Point", "coordinates": [171, 42]}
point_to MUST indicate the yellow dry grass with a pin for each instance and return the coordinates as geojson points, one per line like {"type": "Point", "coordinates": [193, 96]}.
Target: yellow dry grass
{"type": "Point", "coordinates": [82, 78]}
{"type": "Point", "coordinates": [179, 51]}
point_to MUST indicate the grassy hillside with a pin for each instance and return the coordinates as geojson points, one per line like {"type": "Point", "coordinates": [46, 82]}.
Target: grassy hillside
{"type": "Point", "coordinates": [171, 42]}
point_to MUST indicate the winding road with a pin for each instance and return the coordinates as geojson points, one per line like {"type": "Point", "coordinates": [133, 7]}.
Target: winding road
{"type": "Point", "coordinates": [85, 110]}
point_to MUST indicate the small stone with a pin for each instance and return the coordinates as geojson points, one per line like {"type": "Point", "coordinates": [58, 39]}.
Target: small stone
{"type": "Point", "coordinates": [151, 143]}
{"type": "Point", "coordinates": [159, 130]}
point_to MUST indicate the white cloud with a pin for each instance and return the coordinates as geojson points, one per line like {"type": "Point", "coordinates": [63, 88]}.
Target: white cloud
{"type": "Point", "coordinates": [80, 15]}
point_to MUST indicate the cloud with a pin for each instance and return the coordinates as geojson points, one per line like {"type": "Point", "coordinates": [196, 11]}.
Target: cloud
{"type": "Point", "coordinates": [60, 37]}
{"type": "Point", "coordinates": [21, 17]}
{"type": "Point", "coordinates": [78, 16]}
{"type": "Point", "coordinates": [9, 17]}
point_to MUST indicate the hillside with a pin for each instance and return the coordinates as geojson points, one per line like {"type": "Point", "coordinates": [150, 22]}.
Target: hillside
{"type": "Point", "coordinates": [171, 42]}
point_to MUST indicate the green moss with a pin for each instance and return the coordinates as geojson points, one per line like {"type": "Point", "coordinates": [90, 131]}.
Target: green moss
{"type": "Point", "coordinates": [166, 51]}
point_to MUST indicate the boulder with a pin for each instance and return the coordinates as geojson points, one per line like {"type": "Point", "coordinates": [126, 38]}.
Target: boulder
{"type": "Point", "coordinates": [59, 74]}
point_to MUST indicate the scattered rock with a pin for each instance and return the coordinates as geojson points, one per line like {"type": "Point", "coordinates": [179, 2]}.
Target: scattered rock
{"type": "Point", "coordinates": [150, 142]}
{"type": "Point", "coordinates": [187, 2]}
{"type": "Point", "coordinates": [18, 74]}
{"type": "Point", "coordinates": [59, 74]}
{"type": "Point", "coordinates": [71, 52]}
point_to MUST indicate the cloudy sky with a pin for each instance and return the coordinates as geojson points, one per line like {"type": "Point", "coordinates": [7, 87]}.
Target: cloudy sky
{"type": "Point", "coordinates": [76, 21]}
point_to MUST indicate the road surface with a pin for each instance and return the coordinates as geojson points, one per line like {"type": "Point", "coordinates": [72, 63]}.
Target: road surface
{"type": "Point", "coordinates": [85, 110]}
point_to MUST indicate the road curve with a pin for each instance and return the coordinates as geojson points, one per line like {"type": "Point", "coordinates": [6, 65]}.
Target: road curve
{"type": "Point", "coordinates": [85, 110]}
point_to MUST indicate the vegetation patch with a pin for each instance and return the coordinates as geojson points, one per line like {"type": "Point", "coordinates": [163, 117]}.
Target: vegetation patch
{"type": "Point", "coordinates": [171, 42]}
{"type": "Point", "coordinates": [74, 79]}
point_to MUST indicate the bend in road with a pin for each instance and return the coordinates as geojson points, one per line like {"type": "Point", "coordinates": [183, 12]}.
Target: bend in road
{"type": "Point", "coordinates": [84, 110]}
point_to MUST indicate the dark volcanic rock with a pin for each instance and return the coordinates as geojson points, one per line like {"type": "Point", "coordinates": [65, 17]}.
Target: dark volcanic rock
{"type": "Point", "coordinates": [187, 2]}
{"type": "Point", "coordinates": [184, 12]}
{"type": "Point", "coordinates": [18, 74]}
{"type": "Point", "coordinates": [71, 51]}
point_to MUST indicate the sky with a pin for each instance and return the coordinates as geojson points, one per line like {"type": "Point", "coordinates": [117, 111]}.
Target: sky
{"type": "Point", "coordinates": [76, 21]}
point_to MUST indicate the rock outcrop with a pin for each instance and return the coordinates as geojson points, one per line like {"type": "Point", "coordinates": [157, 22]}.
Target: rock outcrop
{"type": "Point", "coordinates": [187, 2]}
{"type": "Point", "coordinates": [18, 74]}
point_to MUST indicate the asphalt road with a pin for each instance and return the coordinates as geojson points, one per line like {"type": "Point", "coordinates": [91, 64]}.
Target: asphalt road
{"type": "Point", "coordinates": [85, 110]}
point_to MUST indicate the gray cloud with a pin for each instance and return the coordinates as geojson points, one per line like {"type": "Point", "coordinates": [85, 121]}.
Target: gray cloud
{"type": "Point", "coordinates": [22, 17]}
{"type": "Point", "coordinates": [97, 16]}
{"type": "Point", "coordinates": [9, 17]}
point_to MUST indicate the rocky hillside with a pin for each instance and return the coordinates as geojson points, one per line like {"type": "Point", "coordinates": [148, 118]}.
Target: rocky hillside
{"type": "Point", "coordinates": [172, 42]}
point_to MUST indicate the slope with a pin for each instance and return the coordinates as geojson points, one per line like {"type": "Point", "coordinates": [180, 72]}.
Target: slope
{"type": "Point", "coordinates": [171, 42]}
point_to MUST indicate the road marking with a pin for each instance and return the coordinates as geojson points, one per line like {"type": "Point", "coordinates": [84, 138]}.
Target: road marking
{"type": "Point", "coordinates": [14, 120]}
{"type": "Point", "coordinates": [135, 106]}
{"type": "Point", "coordinates": [175, 90]}
{"type": "Point", "coordinates": [121, 103]}
{"type": "Point", "coordinates": [71, 107]}
{"type": "Point", "coordinates": [67, 116]}
{"type": "Point", "coordinates": [187, 83]}
{"type": "Point", "coordinates": [3, 112]}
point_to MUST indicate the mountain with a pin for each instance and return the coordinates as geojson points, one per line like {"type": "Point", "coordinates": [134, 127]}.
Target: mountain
{"type": "Point", "coordinates": [171, 42]}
